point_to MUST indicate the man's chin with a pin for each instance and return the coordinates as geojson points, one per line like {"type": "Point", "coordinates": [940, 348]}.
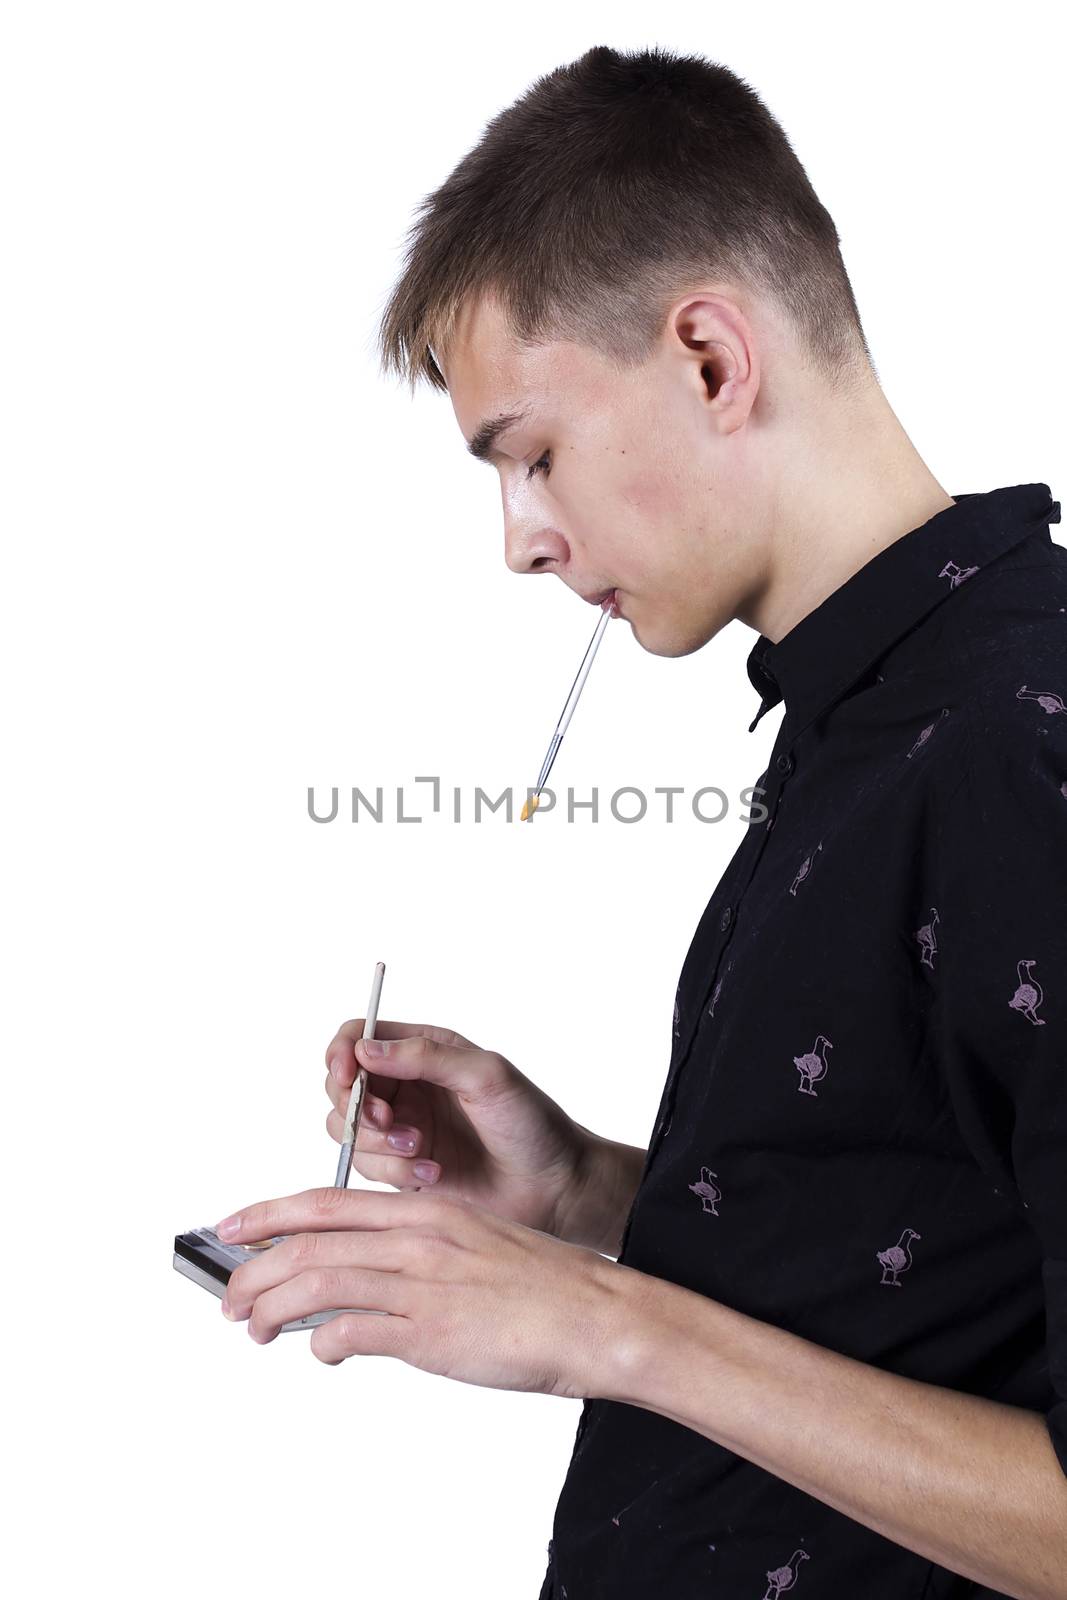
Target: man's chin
{"type": "Point", "coordinates": [674, 641]}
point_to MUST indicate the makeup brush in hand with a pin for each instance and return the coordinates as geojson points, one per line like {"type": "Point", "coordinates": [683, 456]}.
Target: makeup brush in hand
{"type": "Point", "coordinates": [355, 1099]}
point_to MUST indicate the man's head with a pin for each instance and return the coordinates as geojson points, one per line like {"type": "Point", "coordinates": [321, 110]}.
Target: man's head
{"type": "Point", "coordinates": [632, 260]}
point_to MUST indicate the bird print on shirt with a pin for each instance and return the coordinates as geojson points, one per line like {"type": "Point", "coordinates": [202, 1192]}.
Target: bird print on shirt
{"type": "Point", "coordinates": [951, 570]}
{"type": "Point", "coordinates": [783, 1578]}
{"type": "Point", "coordinates": [804, 868]}
{"type": "Point", "coordinates": [928, 938]}
{"type": "Point", "coordinates": [1029, 994]}
{"type": "Point", "coordinates": [1050, 703]}
{"type": "Point", "coordinates": [813, 1065]}
{"type": "Point", "coordinates": [926, 732]}
{"type": "Point", "coordinates": [897, 1258]}
{"type": "Point", "coordinates": [708, 1191]}
{"type": "Point", "coordinates": [717, 988]}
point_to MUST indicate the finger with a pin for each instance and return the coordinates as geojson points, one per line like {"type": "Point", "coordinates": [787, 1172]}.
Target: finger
{"type": "Point", "coordinates": [310, 1252]}
{"type": "Point", "coordinates": [463, 1068]}
{"type": "Point", "coordinates": [322, 1210]}
{"type": "Point", "coordinates": [367, 1335]}
{"type": "Point", "coordinates": [379, 1161]}
{"type": "Point", "coordinates": [404, 1128]}
{"type": "Point", "coordinates": [402, 1138]}
{"type": "Point", "coordinates": [339, 1052]}
{"type": "Point", "coordinates": [374, 1109]}
{"type": "Point", "coordinates": [322, 1289]}
{"type": "Point", "coordinates": [341, 1060]}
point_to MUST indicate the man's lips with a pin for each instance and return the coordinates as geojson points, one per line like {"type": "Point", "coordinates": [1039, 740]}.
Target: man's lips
{"type": "Point", "coordinates": [602, 599]}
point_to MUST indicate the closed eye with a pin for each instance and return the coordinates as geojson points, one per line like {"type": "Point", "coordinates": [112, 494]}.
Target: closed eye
{"type": "Point", "coordinates": [539, 466]}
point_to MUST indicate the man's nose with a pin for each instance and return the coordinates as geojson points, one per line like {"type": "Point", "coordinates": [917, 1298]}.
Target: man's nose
{"type": "Point", "coordinates": [531, 546]}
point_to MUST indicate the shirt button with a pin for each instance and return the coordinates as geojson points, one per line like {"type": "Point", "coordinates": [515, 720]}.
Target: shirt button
{"type": "Point", "coordinates": [784, 763]}
{"type": "Point", "coordinates": [724, 920]}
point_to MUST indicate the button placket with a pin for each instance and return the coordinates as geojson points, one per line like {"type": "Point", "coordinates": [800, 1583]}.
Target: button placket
{"type": "Point", "coordinates": [726, 922]}
{"type": "Point", "coordinates": [783, 765]}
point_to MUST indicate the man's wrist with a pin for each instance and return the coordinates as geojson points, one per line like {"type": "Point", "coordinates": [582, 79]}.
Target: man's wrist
{"type": "Point", "coordinates": [606, 1177]}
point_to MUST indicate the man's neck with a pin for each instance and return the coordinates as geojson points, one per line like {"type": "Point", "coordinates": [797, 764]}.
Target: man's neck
{"type": "Point", "coordinates": [857, 484]}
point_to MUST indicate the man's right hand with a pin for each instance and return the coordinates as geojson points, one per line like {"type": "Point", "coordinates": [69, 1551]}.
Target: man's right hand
{"type": "Point", "coordinates": [491, 1136]}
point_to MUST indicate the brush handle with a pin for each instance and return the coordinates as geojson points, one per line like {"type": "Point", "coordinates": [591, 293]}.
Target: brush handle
{"type": "Point", "coordinates": [359, 1086]}
{"type": "Point", "coordinates": [583, 673]}
{"type": "Point", "coordinates": [572, 699]}
{"type": "Point", "coordinates": [546, 768]}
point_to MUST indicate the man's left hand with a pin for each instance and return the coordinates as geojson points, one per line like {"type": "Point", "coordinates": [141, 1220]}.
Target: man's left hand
{"type": "Point", "coordinates": [467, 1294]}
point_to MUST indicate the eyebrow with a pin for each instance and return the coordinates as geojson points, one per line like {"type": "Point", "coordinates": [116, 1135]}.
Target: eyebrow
{"type": "Point", "coordinates": [491, 429]}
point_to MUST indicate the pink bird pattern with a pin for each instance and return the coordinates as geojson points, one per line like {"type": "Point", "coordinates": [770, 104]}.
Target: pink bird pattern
{"type": "Point", "coordinates": [1050, 703]}
{"type": "Point", "coordinates": [783, 1578]}
{"type": "Point", "coordinates": [718, 986]}
{"type": "Point", "coordinates": [804, 868]}
{"type": "Point", "coordinates": [1029, 994]}
{"type": "Point", "coordinates": [897, 1258]}
{"type": "Point", "coordinates": [928, 938]}
{"type": "Point", "coordinates": [957, 575]}
{"type": "Point", "coordinates": [812, 1066]}
{"type": "Point", "coordinates": [926, 732]}
{"type": "Point", "coordinates": [708, 1190]}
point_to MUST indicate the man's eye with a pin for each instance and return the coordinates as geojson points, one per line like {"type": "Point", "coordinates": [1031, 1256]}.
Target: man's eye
{"type": "Point", "coordinates": [539, 466]}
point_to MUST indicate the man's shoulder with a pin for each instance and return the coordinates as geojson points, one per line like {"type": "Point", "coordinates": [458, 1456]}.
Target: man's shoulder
{"type": "Point", "coordinates": [1010, 760]}
{"type": "Point", "coordinates": [1016, 688]}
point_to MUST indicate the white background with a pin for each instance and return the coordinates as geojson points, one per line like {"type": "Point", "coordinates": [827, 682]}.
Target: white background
{"type": "Point", "coordinates": [238, 562]}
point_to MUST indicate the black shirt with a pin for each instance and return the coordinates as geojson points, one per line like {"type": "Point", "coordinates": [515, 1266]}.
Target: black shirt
{"type": "Point", "coordinates": [862, 1137]}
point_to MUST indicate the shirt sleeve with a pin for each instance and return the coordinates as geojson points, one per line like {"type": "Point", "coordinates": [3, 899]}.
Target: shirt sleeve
{"type": "Point", "coordinates": [1001, 887]}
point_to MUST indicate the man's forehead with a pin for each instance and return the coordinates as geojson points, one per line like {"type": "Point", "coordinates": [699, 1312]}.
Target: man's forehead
{"type": "Point", "coordinates": [491, 388]}
{"type": "Point", "coordinates": [485, 366]}
{"type": "Point", "coordinates": [494, 379]}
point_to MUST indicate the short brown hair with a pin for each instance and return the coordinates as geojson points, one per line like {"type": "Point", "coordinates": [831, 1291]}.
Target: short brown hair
{"type": "Point", "coordinates": [590, 204]}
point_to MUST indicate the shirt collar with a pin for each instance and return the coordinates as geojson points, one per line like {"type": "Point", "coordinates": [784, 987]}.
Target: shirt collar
{"type": "Point", "coordinates": [824, 653]}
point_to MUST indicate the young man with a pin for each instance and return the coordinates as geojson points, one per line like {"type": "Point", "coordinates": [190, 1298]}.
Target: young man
{"type": "Point", "coordinates": [832, 1354]}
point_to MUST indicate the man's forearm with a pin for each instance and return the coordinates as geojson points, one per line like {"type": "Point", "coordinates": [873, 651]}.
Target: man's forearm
{"type": "Point", "coordinates": [601, 1196]}
{"type": "Point", "coordinates": [967, 1482]}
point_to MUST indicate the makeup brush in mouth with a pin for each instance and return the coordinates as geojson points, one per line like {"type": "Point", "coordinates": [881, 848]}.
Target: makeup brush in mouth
{"type": "Point", "coordinates": [610, 608]}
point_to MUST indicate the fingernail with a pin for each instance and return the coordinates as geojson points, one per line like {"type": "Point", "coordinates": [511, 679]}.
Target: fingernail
{"type": "Point", "coordinates": [227, 1309]}
{"type": "Point", "coordinates": [228, 1228]}
{"type": "Point", "coordinates": [426, 1170]}
{"type": "Point", "coordinates": [335, 1067]}
{"type": "Point", "coordinates": [401, 1140]}
{"type": "Point", "coordinates": [373, 1047]}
